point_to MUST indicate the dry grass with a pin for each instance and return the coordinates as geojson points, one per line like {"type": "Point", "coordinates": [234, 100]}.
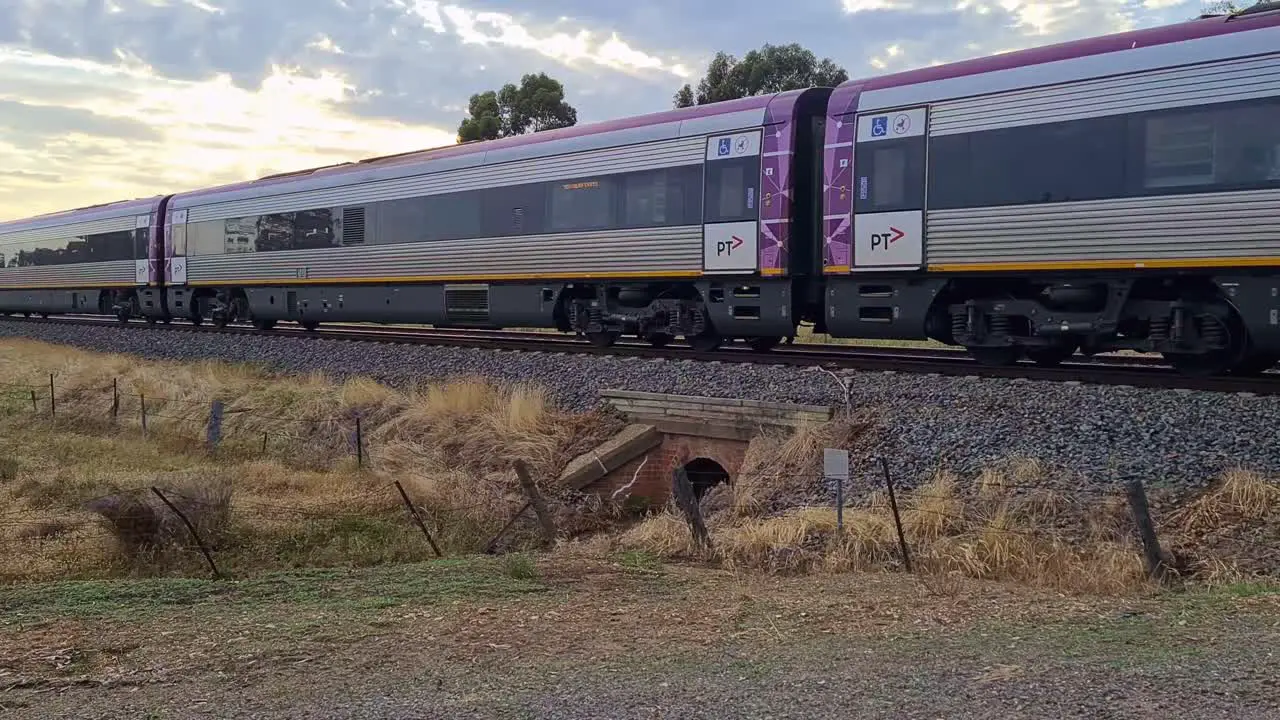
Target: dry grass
{"type": "Point", "coordinates": [999, 527]}
{"type": "Point", "coordinates": [74, 498]}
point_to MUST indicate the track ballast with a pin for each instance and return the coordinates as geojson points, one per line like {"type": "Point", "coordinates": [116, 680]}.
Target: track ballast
{"type": "Point", "coordinates": [1136, 371]}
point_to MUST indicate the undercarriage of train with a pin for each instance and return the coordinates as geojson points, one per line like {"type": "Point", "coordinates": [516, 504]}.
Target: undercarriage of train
{"type": "Point", "coordinates": [1193, 322]}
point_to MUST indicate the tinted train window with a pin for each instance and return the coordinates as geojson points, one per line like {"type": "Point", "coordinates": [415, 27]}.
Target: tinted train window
{"type": "Point", "coordinates": [1232, 146]}
{"type": "Point", "coordinates": [103, 247]}
{"type": "Point", "coordinates": [518, 210]}
{"type": "Point", "coordinates": [1222, 148]}
{"type": "Point", "coordinates": [662, 197]}
{"type": "Point", "coordinates": [434, 217]}
{"type": "Point", "coordinates": [889, 175]}
{"type": "Point", "coordinates": [582, 204]}
{"type": "Point", "coordinates": [733, 190]}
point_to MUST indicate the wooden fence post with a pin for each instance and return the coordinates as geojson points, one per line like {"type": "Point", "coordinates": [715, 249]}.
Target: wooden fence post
{"type": "Point", "coordinates": [687, 501]}
{"type": "Point", "coordinates": [1137, 494]}
{"type": "Point", "coordinates": [537, 501]}
{"type": "Point", "coordinates": [191, 529]}
{"type": "Point", "coordinates": [213, 433]}
{"type": "Point", "coordinates": [413, 511]}
{"type": "Point", "coordinates": [897, 518]}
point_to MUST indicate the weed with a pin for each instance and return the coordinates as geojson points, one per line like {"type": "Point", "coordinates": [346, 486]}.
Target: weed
{"type": "Point", "coordinates": [519, 566]}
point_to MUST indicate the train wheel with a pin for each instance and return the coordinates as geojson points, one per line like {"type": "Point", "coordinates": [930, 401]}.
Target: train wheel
{"type": "Point", "coordinates": [1255, 364]}
{"type": "Point", "coordinates": [1215, 362]}
{"type": "Point", "coordinates": [1051, 356]}
{"type": "Point", "coordinates": [604, 338]}
{"type": "Point", "coordinates": [264, 324]}
{"type": "Point", "coordinates": [996, 356]}
{"type": "Point", "coordinates": [708, 341]}
{"type": "Point", "coordinates": [309, 325]}
{"type": "Point", "coordinates": [659, 339]}
{"type": "Point", "coordinates": [764, 344]}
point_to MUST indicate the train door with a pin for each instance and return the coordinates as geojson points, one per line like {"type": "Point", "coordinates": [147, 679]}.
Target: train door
{"type": "Point", "coordinates": [142, 228]}
{"type": "Point", "coordinates": [731, 204]}
{"type": "Point", "coordinates": [175, 261]}
{"type": "Point", "coordinates": [889, 190]}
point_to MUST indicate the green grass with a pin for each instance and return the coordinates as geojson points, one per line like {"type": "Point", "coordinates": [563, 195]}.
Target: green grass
{"type": "Point", "coordinates": [639, 561]}
{"type": "Point", "coordinates": [428, 583]}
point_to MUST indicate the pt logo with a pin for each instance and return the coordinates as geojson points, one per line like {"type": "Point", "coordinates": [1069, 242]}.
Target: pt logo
{"type": "Point", "coordinates": [885, 241]}
{"type": "Point", "coordinates": [726, 247]}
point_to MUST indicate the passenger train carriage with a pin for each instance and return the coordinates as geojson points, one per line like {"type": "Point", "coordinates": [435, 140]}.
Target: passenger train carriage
{"type": "Point", "coordinates": [674, 224]}
{"type": "Point", "coordinates": [102, 259]}
{"type": "Point", "coordinates": [1115, 193]}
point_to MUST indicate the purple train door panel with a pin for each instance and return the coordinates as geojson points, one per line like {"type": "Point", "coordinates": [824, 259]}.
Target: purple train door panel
{"type": "Point", "coordinates": [175, 264]}
{"type": "Point", "coordinates": [731, 207]}
{"type": "Point", "coordinates": [889, 190]}
{"type": "Point", "coordinates": [837, 181]}
{"type": "Point", "coordinates": [143, 226]}
{"type": "Point", "coordinates": [776, 161]}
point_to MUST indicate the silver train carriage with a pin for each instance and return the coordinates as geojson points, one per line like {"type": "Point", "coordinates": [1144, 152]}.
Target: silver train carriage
{"type": "Point", "coordinates": [674, 224]}
{"type": "Point", "coordinates": [1117, 193]}
{"type": "Point", "coordinates": [103, 259]}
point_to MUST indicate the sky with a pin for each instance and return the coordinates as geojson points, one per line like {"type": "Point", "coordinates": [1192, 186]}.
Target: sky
{"type": "Point", "coordinates": [104, 100]}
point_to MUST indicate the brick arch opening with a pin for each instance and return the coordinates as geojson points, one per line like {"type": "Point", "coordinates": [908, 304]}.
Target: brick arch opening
{"type": "Point", "coordinates": [704, 474]}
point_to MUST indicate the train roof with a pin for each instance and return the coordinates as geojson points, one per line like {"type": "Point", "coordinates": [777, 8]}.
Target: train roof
{"type": "Point", "coordinates": [1150, 47]}
{"type": "Point", "coordinates": [698, 120]}
{"type": "Point", "coordinates": [88, 213]}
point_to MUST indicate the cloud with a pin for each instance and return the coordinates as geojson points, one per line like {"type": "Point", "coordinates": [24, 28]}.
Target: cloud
{"type": "Point", "coordinates": [120, 98]}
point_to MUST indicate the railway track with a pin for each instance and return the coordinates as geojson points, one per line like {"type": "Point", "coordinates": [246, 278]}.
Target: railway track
{"type": "Point", "coordinates": [1137, 371]}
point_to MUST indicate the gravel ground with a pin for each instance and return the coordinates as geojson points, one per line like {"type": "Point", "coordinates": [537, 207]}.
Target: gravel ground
{"type": "Point", "coordinates": [1100, 433]}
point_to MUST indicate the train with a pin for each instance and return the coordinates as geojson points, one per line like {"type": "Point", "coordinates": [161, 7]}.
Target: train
{"type": "Point", "coordinates": [1115, 193]}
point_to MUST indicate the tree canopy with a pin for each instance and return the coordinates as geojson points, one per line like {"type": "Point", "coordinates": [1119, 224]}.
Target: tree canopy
{"type": "Point", "coordinates": [770, 69]}
{"type": "Point", "coordinates": [536, 104]}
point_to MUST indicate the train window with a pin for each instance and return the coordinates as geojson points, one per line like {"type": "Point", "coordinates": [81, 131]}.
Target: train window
{"type": "Point", "coordinates": [1222, 148]}
{"type": "Point", "coordinates": [1231, 146]}
{"type": "Point", "coordinates": [585, 204]}
{"type": "Point", "coordinates": [646, 199]}
{"type": "Point", "coordinates": [451, 216]}
{"type": "Point", "coordinates": [1056, 162]}
{"type": "Point", "coordinates": [267, 233]}
{"type": "Point", "coordinates": [733, 190]}
{"type": "Point", "coordinates": [517, 210]}
{"type": "Point", "coordinates": [313, 229]}
{"type": "Point", "coordinates": [889, 175]}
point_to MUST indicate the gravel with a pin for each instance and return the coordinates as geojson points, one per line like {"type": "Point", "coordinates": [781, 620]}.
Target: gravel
{"type": "Point", "coordinates": [1097, 434]}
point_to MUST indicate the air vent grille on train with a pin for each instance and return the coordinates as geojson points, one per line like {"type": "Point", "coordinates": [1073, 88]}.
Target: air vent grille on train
{"type": "Point", "coordinates": [353, 226]}
{"type": "Point", "coordinates": [466, 303]}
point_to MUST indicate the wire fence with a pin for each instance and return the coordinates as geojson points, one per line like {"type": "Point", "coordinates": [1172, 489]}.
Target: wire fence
{"type": "Point", "coordinates": [211, 423]}
{"type": "Point", "coordinates": [167, 524]}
